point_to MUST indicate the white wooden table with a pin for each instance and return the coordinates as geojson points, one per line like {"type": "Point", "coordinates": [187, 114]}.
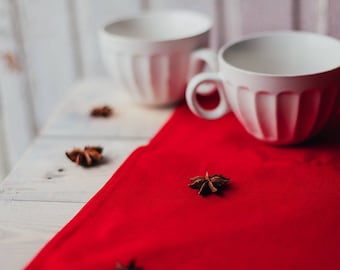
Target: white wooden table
{"type": "Point", "coordinates": [45, 189]}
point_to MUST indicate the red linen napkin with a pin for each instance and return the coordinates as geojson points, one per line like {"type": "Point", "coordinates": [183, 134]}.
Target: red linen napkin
{"type": "Point", "coordinates": [281, 211]}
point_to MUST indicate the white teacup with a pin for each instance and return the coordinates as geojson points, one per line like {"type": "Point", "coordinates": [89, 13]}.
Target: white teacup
{"type": "Point", "coordinates": [154, 54]}
{"type": "Point", "coordinates": [282, 86]}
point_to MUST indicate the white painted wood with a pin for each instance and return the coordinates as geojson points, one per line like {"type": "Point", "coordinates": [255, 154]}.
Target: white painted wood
{"type": "Point", "coordinates": [16, 125]}
{"type": "Point", "coordinates": [265, 15]}
{"type": "Point", "coordinates": [333, 18]}
{"type": "Point", "coordinates": [89, 17]}
{"type": "Point", "coordinates": [45, 189]}
{"type": "Point", "coordinates": [322, 16]}
{"type": "Point", "coordinates": [129, 120]}
{"type": "Point", "coordinates": [49, 52]}
{"type": "Point", "coordinates": [45, 174]}
{"type": "Point", "coordinates": [25, 227]}
{"type": "Point", "coordinates": [232, 20]}
{"type": "Point", "coordinates": [36, 176]}
{"type": "Point", "coordinates": [203, 6]}
{"type": "Point", "coordinates": [307, 14]}
{"type": "Point", "coordinates": [3, 151]}
{"type": "Point", "coordinates": [144, 4]}
{"type": "Point", "coordinates": [17, 121]}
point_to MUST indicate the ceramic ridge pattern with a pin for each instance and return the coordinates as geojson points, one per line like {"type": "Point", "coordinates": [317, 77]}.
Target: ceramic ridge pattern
{"type": "Point", "coordinates": [287, 108]}
{"type": "Point", "coordinates": [153, 79]}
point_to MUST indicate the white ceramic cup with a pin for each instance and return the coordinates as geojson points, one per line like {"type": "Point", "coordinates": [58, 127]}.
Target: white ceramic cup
{"type": "Point", "coordinates": [282, 86]}
{"type": "Point", "coordinates": [154, 54]}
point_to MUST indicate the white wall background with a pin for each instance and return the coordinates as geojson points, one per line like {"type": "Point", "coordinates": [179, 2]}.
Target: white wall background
{"type": "Point", "coordinates": [45, 45]}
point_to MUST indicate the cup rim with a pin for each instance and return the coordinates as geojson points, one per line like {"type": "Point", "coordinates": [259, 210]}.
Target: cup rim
{"type": "Point", "coordinates": [259, 35]}
{"type": "Point", "coordinates": [206, 22]}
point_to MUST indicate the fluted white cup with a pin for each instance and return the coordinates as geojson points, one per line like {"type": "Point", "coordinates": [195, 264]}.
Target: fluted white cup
{"type": "Point", "coordinates": [154, 54]}
{"type": "Point", "coordinates": [282, 86]}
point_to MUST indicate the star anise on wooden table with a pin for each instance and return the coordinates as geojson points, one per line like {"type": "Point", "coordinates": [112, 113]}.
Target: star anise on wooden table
{"type": "Point", "coordinates": [208, 184]}
{"type": "Point", "coordinates": [130, 266]}
{"type": "Point", "coordinates": [86, 157]}
{"type": "Point", "coordinates": [101, 111]}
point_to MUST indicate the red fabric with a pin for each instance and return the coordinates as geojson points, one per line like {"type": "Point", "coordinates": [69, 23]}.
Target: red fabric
{"type": "Point", "coordinates": [281, 211]}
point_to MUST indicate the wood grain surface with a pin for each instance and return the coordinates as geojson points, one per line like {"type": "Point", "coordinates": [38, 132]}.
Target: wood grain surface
{"type": "Point", "coordinates": [45, 189]}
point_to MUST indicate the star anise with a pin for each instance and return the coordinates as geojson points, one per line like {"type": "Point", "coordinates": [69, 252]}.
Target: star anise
{"type": "Point", "coordinates": [208, 184]}
{"type": "Point", "coordinates": [102, 111]}
{"type": "Point", "coordinates": [86, 157]}
{"type": "Point", "coordinates": [131, 266]}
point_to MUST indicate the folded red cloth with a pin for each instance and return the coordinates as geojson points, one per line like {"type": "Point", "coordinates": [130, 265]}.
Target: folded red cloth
{"type": "Point", "coordinates": [280, 212]}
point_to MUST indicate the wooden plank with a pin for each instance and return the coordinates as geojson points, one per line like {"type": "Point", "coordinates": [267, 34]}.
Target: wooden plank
{"type": "Point", "coordinates": [232, 20]}
{"type": "Point", "coordinates": [16, 122]}
{"type": "Point", "coordinates": [307, 15]}
{"type": "Point", "coordinates": [4, 168]}
{"type": "Point", "coordinates": [334, 18]}
{"type": "Point", "coordinates": [16, 112]}
{"type": "Point", "coordinates": [265, 15]}
{"type": "Point", "coordinates": [130, 120]}
{"type": "Point", "coordinates": [45, 174]}
{"type": "Point", "coordinates": [89, 17]}
{"type": "Point", "coordinates": [202, 6]}
{"type": "Point", "coordinates": [25, 227]}
{"type": "Point", "coordinates": [49, 52]}
{"type": "Point", "coordinates": [320, 16]}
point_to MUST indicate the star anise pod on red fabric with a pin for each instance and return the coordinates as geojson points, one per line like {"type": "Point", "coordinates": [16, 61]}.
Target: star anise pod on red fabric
{"type": "Point", "coordinates": [208, 184]}
{"type": "Point", "coordinates": [101, 111]}
{"type": "Point", "coordinates": [130, 266]}
{"type": "Point", "coordinates": [86, 157]}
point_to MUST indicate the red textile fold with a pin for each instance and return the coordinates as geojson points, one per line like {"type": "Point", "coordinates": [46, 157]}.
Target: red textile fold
{"type": "Point", "coordinates": [280, 212]}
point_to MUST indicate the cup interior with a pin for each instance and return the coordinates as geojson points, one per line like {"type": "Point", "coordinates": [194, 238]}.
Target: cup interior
{"type": "Point", "coordinates": [160, 25]}
{"type": "Point", "coordinates": [284, 53]}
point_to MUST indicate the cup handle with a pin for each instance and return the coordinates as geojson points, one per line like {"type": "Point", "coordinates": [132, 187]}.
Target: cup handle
{"type": "Point", "coordinates": [191, 96]}
{"type": "Point", "coordinates": [201, 56]}
{"type": "Point", "coordinates": [197, 61]}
